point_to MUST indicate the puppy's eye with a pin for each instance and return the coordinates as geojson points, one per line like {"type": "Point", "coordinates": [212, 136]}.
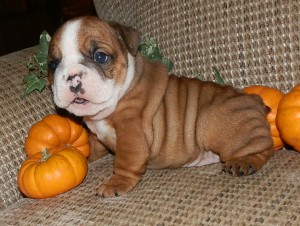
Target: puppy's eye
{"type": "Point", "coordinates": [52, 65]}
{"type": "Point", "coordinates": [101, 57]}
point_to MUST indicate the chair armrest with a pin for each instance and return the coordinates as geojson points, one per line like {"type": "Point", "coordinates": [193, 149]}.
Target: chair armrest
{"type": "Point", "coordinates": [17, 114]}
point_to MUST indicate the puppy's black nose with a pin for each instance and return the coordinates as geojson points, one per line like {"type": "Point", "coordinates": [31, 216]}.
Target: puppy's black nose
{"type": "Point", "coordinates": [76, 84]}
{"type": "Point", "coordinates": [77, 88]}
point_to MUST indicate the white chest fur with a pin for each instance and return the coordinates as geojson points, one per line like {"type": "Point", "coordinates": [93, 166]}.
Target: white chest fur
{"type": "Point", "coordinates": [105, 132]}
{"type": "Point", "coordinates": [204, 158]}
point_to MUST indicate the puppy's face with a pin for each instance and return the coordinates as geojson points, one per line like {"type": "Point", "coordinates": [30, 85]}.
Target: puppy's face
{"type": "Point", "coordinates": [91, 65]}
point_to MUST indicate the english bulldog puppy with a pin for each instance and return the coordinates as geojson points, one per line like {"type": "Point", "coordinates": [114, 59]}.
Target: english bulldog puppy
{"type": "Point", "coordinates": [147, 118]}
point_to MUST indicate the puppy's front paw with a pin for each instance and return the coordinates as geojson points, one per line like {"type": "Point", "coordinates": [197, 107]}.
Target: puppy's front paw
{"type": "Point", "coordinates": [240, 167]}
{"type": "Point", "coordinates": [116, 185]}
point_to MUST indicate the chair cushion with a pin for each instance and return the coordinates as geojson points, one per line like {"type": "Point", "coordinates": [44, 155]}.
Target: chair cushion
{"type": "Point", "coordinates": [186, 196]}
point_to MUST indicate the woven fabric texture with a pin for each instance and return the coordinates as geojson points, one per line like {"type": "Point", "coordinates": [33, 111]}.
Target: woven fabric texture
{"type": "Point", "coordinates": [187, 196]}
{"type": "Point", "coordinates": [17, 115]}
{"type": "Point", "coordinates": [250, 42]}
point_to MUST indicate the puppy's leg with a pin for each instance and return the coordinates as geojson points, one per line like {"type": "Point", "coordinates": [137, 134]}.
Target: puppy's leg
{"type": "Point", "coordinates": [239, 133]}
{"type": "Point", "coordinates": [249, 164]}
{"type": "Point", "coordinates": [131, 157]}
{"type": "Point", "coordinates": [98, 150]}
{"type": "Point", "coordinates": [256, 138]}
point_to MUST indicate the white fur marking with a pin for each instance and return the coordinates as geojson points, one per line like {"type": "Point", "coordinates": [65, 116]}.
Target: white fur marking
{"type": "Point", "coordinates": [204, 159]}
{"type": "Point", "coordinates": [69, 43]}
{"type": "Point", "coordinates": [104, 132]}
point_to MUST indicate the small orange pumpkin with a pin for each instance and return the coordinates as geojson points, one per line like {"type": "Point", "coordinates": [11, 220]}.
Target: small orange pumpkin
{"type": "Point", "coordinates": [52, 172]}
{"type": "Point", "coordinates": [271, 97]}
{"type": "Point", "coordinates": [54, 131]}
{"type": "Point", "coordinates": [288, 118]}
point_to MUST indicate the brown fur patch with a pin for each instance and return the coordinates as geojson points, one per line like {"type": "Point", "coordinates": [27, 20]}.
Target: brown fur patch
{"type": "Point", "coordinates": [164, 121]}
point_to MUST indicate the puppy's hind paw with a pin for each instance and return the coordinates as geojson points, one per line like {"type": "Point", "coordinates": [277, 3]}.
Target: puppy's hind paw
{"type": "Point", "coordinates": [239, 167]}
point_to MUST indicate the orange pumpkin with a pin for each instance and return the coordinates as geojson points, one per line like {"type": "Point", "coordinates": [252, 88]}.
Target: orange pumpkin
{"type": "Point", "coordinates": [288, 118]}
{"type": "Point", "coordinates": [271, 97]}
{"type": "Point", "coordinates": [54, 131]}
{"type": "Point", "coordinates": [52, 172]}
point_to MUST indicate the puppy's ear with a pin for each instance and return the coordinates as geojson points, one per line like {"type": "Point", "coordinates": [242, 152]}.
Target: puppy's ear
{"type": "Point", "coordinates": [130, 36]}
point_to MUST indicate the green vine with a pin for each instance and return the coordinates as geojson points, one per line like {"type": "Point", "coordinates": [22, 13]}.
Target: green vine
{"type": "Point", "coordinates": [149, 48]}
{"type": "Point", "coordinates": [36, 79]}
{"type": "Point", "coordinates": [37, 67]}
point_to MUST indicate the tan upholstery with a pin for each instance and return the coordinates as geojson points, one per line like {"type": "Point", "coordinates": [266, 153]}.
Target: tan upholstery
{"type": "Point", "coordinates": [250, 42]}
{"type": "Point", "coordinates": [17, 116]}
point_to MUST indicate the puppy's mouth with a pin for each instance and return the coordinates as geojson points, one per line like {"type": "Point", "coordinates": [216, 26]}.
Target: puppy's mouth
{"type": "Point", "coordinates": [79, 100]}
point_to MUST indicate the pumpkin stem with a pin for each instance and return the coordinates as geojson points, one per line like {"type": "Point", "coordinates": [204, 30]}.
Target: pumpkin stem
{"type": "Point", "coordinates": [45, 154]}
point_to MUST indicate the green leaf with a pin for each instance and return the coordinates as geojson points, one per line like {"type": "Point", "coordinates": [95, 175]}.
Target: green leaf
{"type": "Point", "coordinates": [37, 66]}
{"type": "Point", "coordinates": [43, 72]}
{"type": "Point", "coordinates": [31, 77]}
{"type": "Point", "coordinates": [156, 57]}
{"type": "Point", "coordinates": [40, 59]}
{"type": "Point", "coordinates": [168, 63]}
{"type": "Point", "coordinates": [30, 65]}
{"type": "Point", "coordinates": [146, 44]}
{"type": "Point", "coordinates": [33, 83]}
{"type": "Point", "coordinates": [44, 43]}
{"type": "Point", "coordinates": [42, 55]}
{"type": "Point", "coordinates": [150, 49]}
{"type": "Point", "coordinates": [218, 76]}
